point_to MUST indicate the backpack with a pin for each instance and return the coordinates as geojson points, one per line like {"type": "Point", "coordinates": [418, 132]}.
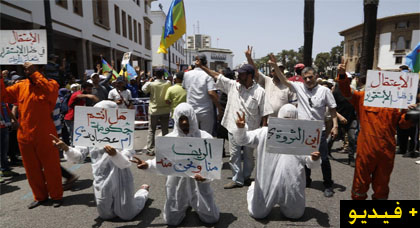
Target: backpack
{"type": "Point", "coordinates": [64, 106]}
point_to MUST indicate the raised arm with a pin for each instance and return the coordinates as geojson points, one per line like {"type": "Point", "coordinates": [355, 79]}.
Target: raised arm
{"type": "Point", "coordinates": [248, 56]}
{"type": "Point", "coordinates": [211, 73]}
{"type": "Point", "coordinates": [278, 73]}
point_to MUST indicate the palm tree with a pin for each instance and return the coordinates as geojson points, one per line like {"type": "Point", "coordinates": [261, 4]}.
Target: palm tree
{"type": "Point", "coordinates": [370, 9]}
{"type": "Point", "coordinates": [308, 27]}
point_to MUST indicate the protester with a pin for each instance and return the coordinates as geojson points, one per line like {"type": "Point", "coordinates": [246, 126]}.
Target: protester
{"type": "Point", "coordinates": [133, 87]}
{"type": "Point", "coordinates": [120, 94]}
{"type": "Point", "coordinates": [113, 182]}
{"type": "Point", "coordinates": [248, 97]}
{"type": "Point", "coordinates": [7, 119]}
{"type": "Point", "coordinates": [276, 93]}
{"type": "Point", "coordinates": [280, 178]}
{"type": "Point", "coordinates": [298, 73]}
{"type": "Point", "coordinates": [37, 96]}
{"type": "Point", "coordinates": [313, 100]}
{"type": "Point", "coordinates": [200, 94]}
{"type": "Point", "coordinates": [184, 192]}
{"type": "Point", "coordinates": [98, 88]}
{"type": "Point", "coordinates": [78, 98]}
{"type": "Point", "coordinates": [176, 95]}
{"type": "Point", "coordinates": [375, 143]}
{"type": "Point", "coordinates": [158, 108]}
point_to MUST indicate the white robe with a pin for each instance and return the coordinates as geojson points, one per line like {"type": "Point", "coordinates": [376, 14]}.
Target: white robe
{"type": "Point", "coordinates": [280, 179]}
{"type": "Point", "coordinates": [113, 182]}
{"type": "Point", "coordinates": [184, 192]}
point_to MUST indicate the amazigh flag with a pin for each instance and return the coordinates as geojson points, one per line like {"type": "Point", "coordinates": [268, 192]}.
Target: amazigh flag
{"type": "Point", "coordinates": [175, 26]}
{"type": "Point", "coordinates": [106, 68]}
{"type": "Point", "coordinates": [129, 72]}
{"type": "Point", "coordinates": [412, 60]}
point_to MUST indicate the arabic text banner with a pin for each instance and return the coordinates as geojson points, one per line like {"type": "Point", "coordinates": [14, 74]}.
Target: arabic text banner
{"type": "Point", "coordinates": [98, 127]}
{"type": "Point", "coordinates": [384, 213]}
{"type": "Point", "coordinates": [297, 137]}
{"type": "Point", "coordinates": [185, 156]}
{"type": "Point", "coordinates": [19, 46]}
{"type": "Point", "coordinates": [390, 89]}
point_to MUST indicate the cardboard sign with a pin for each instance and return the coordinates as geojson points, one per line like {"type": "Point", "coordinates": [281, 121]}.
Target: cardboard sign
{"type": "Point", "coordinates": [297, 137]}
{"type": "Point", "coordinates": [185, 157]}
{"type": "Point", "coordinates": [126, 58]}
{"type": "Point", "coordinates": [390, 89]}
{"type": "Point", "coordinates": [98, 127]}
{"type": "Point", "coordinates": [19, 46]}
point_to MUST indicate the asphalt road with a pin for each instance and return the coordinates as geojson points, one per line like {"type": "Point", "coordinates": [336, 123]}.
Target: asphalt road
{"type": "Point", "coordinates": [79, 208]}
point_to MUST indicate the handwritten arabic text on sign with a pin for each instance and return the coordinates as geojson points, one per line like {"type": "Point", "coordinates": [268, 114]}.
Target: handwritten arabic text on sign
{"type": "Point", "coordinates": [297, 137]}
{"type": "Point", "coordinates": [98, 127]}
{"type": "Point", "coordinates": [390, 89]}
{"type": "Point", "coordinates": [189, 156]}
{"type": "Point", "coordinates": [19, 46]}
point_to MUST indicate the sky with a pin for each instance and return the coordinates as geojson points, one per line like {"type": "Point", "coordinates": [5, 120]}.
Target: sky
{"type": "Point", "coordinates": [274, 25]}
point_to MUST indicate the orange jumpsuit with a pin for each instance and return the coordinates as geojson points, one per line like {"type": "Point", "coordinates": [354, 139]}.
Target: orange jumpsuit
{"type": "Point", "coordinates": [375, 145]}
{"type": "Point", "coordinates": [36, 101]}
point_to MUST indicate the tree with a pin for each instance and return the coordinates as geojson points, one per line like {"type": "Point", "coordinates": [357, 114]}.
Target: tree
{"type": "Point", "coordinates": [308, 31]}
{"type": "Point", "coordinates": [322, 61]}
{"type": "Point", "coordinates": [370, 9]}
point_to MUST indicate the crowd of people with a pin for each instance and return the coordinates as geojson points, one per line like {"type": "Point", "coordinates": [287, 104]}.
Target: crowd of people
{"type": "Point", "coordinates": [38, 112]}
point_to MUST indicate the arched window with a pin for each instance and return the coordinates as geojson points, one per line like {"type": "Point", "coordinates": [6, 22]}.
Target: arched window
{"type": "Point", "coordinates": [400, 43]}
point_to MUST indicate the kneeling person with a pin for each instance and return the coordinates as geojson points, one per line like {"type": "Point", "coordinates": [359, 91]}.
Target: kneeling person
{"type": "Point", "coordinates": [280, 178]}
{"type": "Point", "coordinates": [113, 182]}
{"type": "Point", "coordinates": [184, 192]}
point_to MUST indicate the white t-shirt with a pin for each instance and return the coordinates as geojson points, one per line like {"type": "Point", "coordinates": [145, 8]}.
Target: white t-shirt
{"type": "Point", "coordinates": [276, 94]}
{"type": "Point", "coordinates": [320, 97]}
{"type": "Point", "coordinates": [115, 96]}
{"type": "Point", "coordinates": [197, 83]}
{"type": "Point", "coordinates": [251, 101]}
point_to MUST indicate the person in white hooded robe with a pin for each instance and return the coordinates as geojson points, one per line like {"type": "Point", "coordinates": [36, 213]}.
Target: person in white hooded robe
{"type": "Point", "coordinates": [280, 178]}
{"type": "Point", "coordinates": [184, 192]}
{"type": "Point", "coordinates": [113, 181]}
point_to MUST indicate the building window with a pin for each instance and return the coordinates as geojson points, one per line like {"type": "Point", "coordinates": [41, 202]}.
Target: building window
{"type": "Point", "coordinates": [100, 12]}
{"type": "Point", "coordinates": [145, 6]}
{"type": "Point", "coordinates": [400, 43]}
{"type": "Point", "coordinates": [62, 3]}
{"type": "Point", "coordinates": [124, 23]}
{"type": "Point", "coordinates": [408, 44]}
{"type": "Point", "coordinates": [173, 58]}
{"type": "Point", "coordinates": [140, 37]}
{"type": "Point", "coordinates": [398, 60]}
{"type": "Point", "coordinates": [164, 56]}
{"type": "Point", "coordinates": [402, 25]}
{"type": "Point", "coordinates": [78, 7]}
{"type": "Point", "coordinates": [130, 28]}
{"type": "Point", "coordinates": [351, 51]}
{"type": "Point", "coordinates": [135, 31]}
{"type": "Point", "coordinates": [147, 38]}
{"type": "Point", "coordinates": [138, 2]}
{"type": "Point", "coordinates": [117, 19]}
{"type": "Point", "coordinates": [393, 45]}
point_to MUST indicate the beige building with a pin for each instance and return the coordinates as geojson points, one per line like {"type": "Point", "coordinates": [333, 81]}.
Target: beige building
{"type": "Point", "coordinates": [396, 36]}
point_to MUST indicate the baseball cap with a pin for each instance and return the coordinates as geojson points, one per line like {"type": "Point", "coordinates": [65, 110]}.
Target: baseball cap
{"type": "Point", "coordinates": [299, 66]}
{"type": "Point", "coordinates": [246, 68]}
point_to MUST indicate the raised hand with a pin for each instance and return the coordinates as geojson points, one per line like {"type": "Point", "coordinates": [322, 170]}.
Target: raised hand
{"type": "Point", "coordinates": [341, 69]}
{"type": "Point", "coordinates": [248, 52]}
{"type": "Point", "coordinates": [110, 150]}
{"type": "Point", "coordinates": [272, 59]}
{"type": "Point", "coordinates": [59, 144]}
{"type": "Point", "coordinates": [140, 163]}
{"type": "Point", "coordinates": [240, 122]}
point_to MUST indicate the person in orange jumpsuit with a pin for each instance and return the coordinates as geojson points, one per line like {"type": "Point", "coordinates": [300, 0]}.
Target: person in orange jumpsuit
{"type": "Point", "coordinates": [375, 143]}
{"type": "Point", "coordinates": [36, 97]}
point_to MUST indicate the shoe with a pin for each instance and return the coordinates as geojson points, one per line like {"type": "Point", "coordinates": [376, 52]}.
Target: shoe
{"type": "Point", "coordinates": [9, 173]}
{"type": "Point", "coordinates": [248, 182]}
{"type": "Point", "coordinates": [36, 204]}
{"type": "Point", "coordinates": [57, 203]}
{"type": "Point", "coordinates": [328, 192]}
{"type": "Point", "coordinates": [232, 184]}
{"type": "Point", "coordinates": [410, 155]}
{"type": "Point", "coordinates": [69, 182]}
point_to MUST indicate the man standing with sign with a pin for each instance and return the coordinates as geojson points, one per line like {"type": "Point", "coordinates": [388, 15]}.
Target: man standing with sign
{"type": "Point", "coordinates": [36, 97]}
{"type": "Point", "coordinates": [313, 100]}
{"type": "Point", "coordinates": [184, 192]}
{"type": "Point", "coordinates": [280, 177]}
{"type": "Point", "coordinates": [375, 143]}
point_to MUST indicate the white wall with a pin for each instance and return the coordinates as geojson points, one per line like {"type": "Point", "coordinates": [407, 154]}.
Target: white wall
{"type": "Point", "coordinates": [415, 38]}
{"type": "Point", "coordinates": [36, 8]}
